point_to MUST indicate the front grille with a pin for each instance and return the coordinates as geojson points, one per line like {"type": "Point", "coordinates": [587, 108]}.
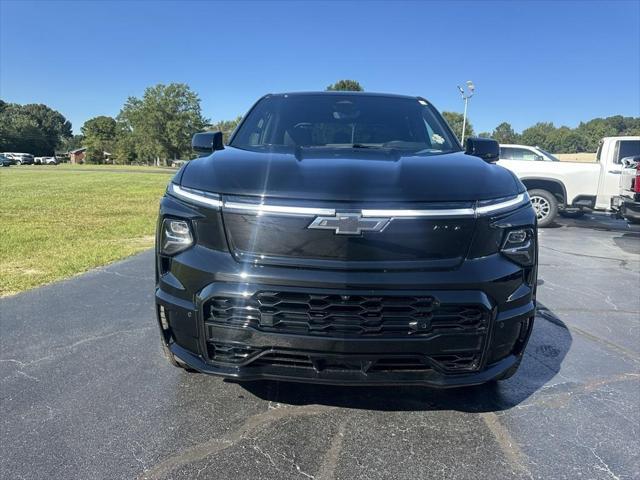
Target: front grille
{"type": "Point", "coordinates": [229, 353]}
{"type": "Point", "coordinates": [283, 359]}
{"type": "Point", "coordinates": [345, 315]}
{"type": "Point", "coordinates": [450, 363]}
{"type": "Point", "coordinates": [247, 356]}
{"type": "Point", "coordinates": [388, 364]}
{"type": "Point", "coordinates": [457, 362]}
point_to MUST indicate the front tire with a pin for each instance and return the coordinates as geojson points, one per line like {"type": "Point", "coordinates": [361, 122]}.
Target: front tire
{"type": "Point", "coordinates": [545, 205]}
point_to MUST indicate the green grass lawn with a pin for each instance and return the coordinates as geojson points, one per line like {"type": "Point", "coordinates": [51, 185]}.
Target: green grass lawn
{"type": "Point", "coordinates": [87, 167]}
{"type": "Point", "coordinates": [57, 222]}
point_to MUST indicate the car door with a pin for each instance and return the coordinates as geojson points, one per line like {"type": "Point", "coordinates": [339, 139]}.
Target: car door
{"type": "Point", "coordinates": [522, 161]}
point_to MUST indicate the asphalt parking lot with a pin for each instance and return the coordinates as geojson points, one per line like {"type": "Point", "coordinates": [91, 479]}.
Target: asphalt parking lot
{"type": "Point", "coordinates": [85, 392]}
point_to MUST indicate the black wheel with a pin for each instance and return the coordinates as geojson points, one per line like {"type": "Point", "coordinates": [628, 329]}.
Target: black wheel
{"type": "Point", "coordinates": [633, 221]}
{"type": "Point", "coordinates": [545, 205]}
{"type": "Point", "coordinates": [171, 358]}
{"type": "Point", "coordinates": [572, 213]}
{"type": "Point", "coordinates": [511, 372]}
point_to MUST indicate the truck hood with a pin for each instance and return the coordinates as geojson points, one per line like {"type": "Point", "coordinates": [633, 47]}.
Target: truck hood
{"type": "Point", "coordinates": [349, 175]}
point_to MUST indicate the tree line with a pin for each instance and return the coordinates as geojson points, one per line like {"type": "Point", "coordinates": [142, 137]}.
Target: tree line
{"type": "Point", "coordinates": [583, 138]}
{"type": "Point", "coordinates": [158, 127]}
{"type": "Point", "coordinates": [33, 128]}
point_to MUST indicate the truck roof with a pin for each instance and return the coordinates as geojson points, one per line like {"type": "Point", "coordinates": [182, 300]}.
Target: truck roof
{"type": "Point", "coordinates": [623, 137]}
{"type": "Point", "coordinates": [339, 93]}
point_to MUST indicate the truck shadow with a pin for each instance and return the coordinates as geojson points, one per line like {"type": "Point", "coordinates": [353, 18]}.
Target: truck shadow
{"type": "Point", "coordinates": [595, 221]}
{"type": "Point", "coordinates": [549, 343]}
{"type": "Point", "coordinates": [628, 242]}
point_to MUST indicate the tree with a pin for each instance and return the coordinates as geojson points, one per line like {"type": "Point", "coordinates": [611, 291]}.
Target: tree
{"type": "Point", "coordinates": [631, 126]}
{"type": "Point", "coordinates": [454, 120]}
{"type": "Point", "coordinates": [125, 145]}
{"type": "Point", "coordinates": [346, 85]}
{"type": "Point", "coordinates": [504, 133]}
{"type": "Point", "coordinates": [99, 137]}
{"type": "Point", "coordinates": [566, 140]}
{"type": "Point", "coordinates": [226, 127]}
{"type": "Point", "coordinates": [594, 130]}
{"type": "Point", "coordinates": [539, 135]}
{"type": "Point", "coordinates": [163, 121]}
{"type": "Point", "coordinates": [72, 143]}
{"type": "Point", "coordinates": [32, 128]}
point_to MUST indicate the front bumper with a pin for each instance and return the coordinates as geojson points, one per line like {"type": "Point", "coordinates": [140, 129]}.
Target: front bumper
{"type": "Point", "coordinates": [352, 377]}
{"type": "Point", "coordinates": [252, 349]}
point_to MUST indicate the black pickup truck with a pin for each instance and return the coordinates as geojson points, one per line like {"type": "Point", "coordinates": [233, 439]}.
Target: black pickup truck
{"type": "Point", "coordinates": [346, 238]}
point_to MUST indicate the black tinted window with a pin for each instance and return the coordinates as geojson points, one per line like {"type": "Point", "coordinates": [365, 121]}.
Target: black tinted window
{"type": "Point", "coordinates": [627, 148]}
{"type": "Point", "coordinates": [344, 121]}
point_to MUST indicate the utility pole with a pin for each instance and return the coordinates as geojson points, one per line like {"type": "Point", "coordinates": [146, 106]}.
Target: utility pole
{"type": "Point", "coordinates": [471, 88]}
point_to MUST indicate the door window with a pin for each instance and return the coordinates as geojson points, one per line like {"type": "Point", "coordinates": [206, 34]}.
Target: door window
{"type": "Point", "coordinates": [627, 148]}
{"type": "Point", "coordinates": [506, 153]}
{"type": "Point", "coordinates": [518, 154]}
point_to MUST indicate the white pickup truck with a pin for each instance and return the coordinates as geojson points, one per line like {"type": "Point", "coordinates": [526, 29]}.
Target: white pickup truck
{"type": "Point", "coordinates": [569, 187]}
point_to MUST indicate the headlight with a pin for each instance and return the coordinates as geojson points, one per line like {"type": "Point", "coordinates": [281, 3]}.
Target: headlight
{"type": "Point", "coordinates": [520, 246]}
{"type": "Point", "coordinates": [175, 236]}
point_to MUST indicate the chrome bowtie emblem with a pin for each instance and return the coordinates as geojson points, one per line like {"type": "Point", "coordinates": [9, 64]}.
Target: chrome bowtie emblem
{"type": "Point", "coordinates": [349, 224]}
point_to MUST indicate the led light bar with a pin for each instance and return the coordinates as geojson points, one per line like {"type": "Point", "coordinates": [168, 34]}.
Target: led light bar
{"type": "Point", "coordinates": [495, 207]}
{"type": "Point", "coordinates": [445, 212]}
{"type": "Point", "coordinates": [213, 200]}
{"type": "Point", "coordinates": [259, 209]}
{"type": "Point", "coordinates": [195, 196]}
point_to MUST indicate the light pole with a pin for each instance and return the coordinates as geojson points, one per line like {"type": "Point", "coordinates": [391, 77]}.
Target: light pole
{"type": "Point", "coordinates": [471, 88]}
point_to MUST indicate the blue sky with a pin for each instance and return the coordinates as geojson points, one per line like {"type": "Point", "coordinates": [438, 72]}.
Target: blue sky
{"type": "Point", "coordinates": [531, 61]}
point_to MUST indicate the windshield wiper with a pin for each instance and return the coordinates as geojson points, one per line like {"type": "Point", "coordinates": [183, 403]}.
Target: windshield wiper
{"type": "Point", "coordinates": [347, 145]}
{"type": "Point", "coordinates": [362, 145]}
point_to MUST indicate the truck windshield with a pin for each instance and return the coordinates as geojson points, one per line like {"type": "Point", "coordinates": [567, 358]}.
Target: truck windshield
{"type": "Point", "coordinates": [355, 121]}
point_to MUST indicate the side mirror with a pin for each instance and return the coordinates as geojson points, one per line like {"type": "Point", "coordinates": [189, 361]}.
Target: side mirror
{"type": "Point", "coordinates": [207, 142]}
{"type": "Point", "coordinates": [485, 148]}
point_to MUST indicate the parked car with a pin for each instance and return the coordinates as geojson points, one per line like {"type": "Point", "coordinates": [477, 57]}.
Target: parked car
{"type": "Point", "coordinates": [45, 161]}
{"type": "Point", "coordinates": [5, 162]}
{"type": "Point", "coordinates": [525, 152]}
{"type": "Point", "coordinates": [627, 205]}
{"type": "Point", "coordinates": [177, 163]}
{"type": "Point", "coordinates": [20, 158]}
{"type": "Point", "coordinates": [346, 238]}
{"type": "Point", "coordinates": [570, 187]}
